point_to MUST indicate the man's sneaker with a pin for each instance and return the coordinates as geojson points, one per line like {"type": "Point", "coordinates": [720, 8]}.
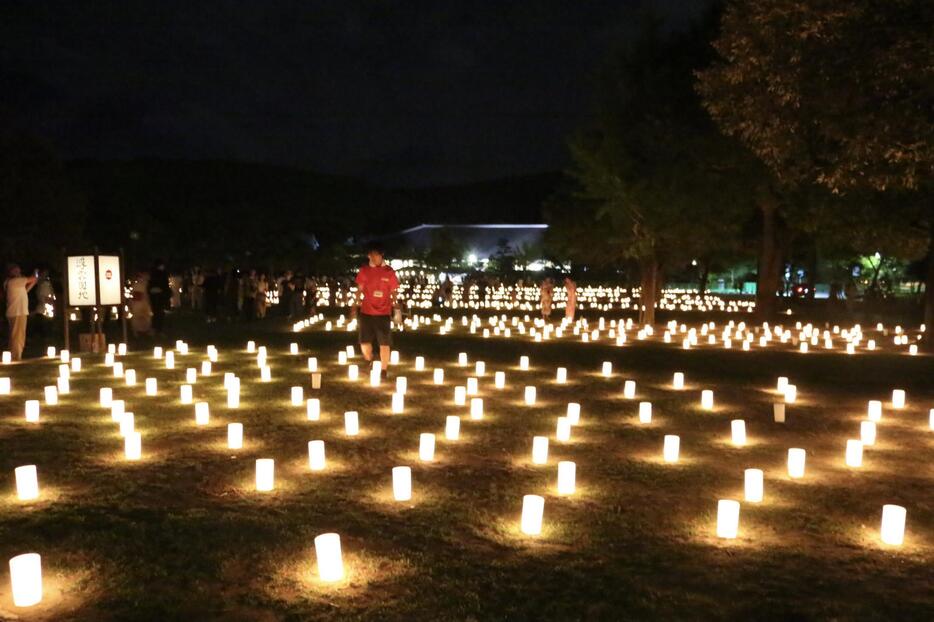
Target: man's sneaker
{"type": "Point", "coordinates": [385, 374]}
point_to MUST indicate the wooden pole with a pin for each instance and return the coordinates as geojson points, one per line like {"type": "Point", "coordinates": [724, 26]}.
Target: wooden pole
{"type": "Point", "coordinates": [122, 299]}
{"type": "Point", "coordinates": [65, 298]}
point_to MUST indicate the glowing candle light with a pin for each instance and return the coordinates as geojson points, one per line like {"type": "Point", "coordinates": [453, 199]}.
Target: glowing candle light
{"type": "Point", "coordinates": [313, 409]}
{"type": "Point", "coordinates": [462, 359]}
{"type": "Point", "coordinates": [753, 485]}
{"type": "Point", "coordinates": [157, 352]}
{"type": "Point", "coordinates": [5, 386]}
{"type": "Point", "coordinates": [205, 368]}
{"type": "Point", "coordinates": [533, 507]}
{"type": "Point", "coordinates": [26, 579]}
{"type": "Point", "coordinates": [27, 482]}
{"type": "Point", "coordinates": [540, 450]}
{"type": "Point", "coordinates": [875, 410]}
{"type": "Point", "coordinates": [106, 396]}
{"type": "Point", "coordinates": [191, 375]}
{"type": "Point", "coordinates": [438, 376]}
{"type": "Point", "coordinates": [480, 368]}
{"type": "Point", "coordinates": [854, 453]}
{"type": "Point", "coordinates": [452, 427]}
{"type": "Point", "coordinates": [796, 459]}
{"type": "Point", "coordinates": [76, 365]}
{"type": "Point", "coordinates": [567, 474]}
{"type": "Point", "coordinates": [127, 423]}
{"type": "Point", "coordinates": [867, 433]}
{"type": "Point", "coordinates": [738, 432]}
{"type": "Point", "coordinates": [677, 381]}
{"type": "Point", "coordinates": [574, 413]}
{"type": "Point", "coordinates": [893, 524]}
{"type": "Point", "coordinates": [353, 372]}
{"type": "Point", "coordinates": [130, 377]}
{"type": "Point", "coordinates": [233, 393]}
{"type": "Point", "coordinates": [133, 446]}
{"type": "Point", "coordinates": [170, 360]}
{"type": "Point", "coordinates": [375, 376]}
{"type": "Point", "coordinates": [151, 386]}
{"type": "Point", "coordinates": [265, 474]}
{"type": "Point", "coordinates": [629, 389]}
{"type": "Point", "coordinates": [476, 408]}
{"type": "Point", "coordinates": [706, 399]}
{"type": "Point", "coordinates": [402, 385]}
{"type": "Point", "coordinates": [293, 348]}
{"type": "Point", "coordinates": [50, 352]}
{"type": "Point", "coordinates": [32, 411]}
{"type": "Point", "coordinates": [394, 357]}
{"type": "Point", "coordinates": [561, 376]}
{"type": "Point", "coordinates": [402, 483]}
{"type": "Point", "coordinates": [607, 369]}
{"type": "Point", "coordinates": [65, 356]}
{"type": "Point", "coordinates": [186, 394]}
{"type": "Point", "coordinates": [51, 395]}
{"type": "Point", "coordinates": [523, 363]}
{"type": "Point", "coordinates": [499, 379]}
{"type": "Point", "coordinates": [645, 412]}
{"type": "Point", "coordinates": [426, 447]}
{"type": "Point", "coordinates": [328, 553]}
{"type": "Point", "coordinates": [398, 403]}
{"type": "Point", "coordinates": [529, 396]}
{"type": "Point", "coordinates": [351, 423]}
{"type": "Point", "coordinates": [298, 396]}
{"type": "Point", "coordinates": [316, 460]}
{"type": "Point", "coordinates": [460, 396]}
{"type": "Point", "coordinates": [931, 419]}
{"type": "Point", "coordinates": [563, 430]}
{"type": "Point", "coordinates": [265, 373]}
{"type": "Point", "coordinates": [117, 408]}
{"type": "Point", "coordinates": [234, 436]}
{"type": "Point", "coordinates": [251, 346]}
{"type": "Point", "coordinates": [727, 518]}
{"type": "Point", "coordinates": [781, 384]}
{"type": "Point", "coordinates": [671, 448]}
{"type": "Point", "coordinates": [778, 412]}
{"type": "Point", "coordinates": [312, 363]}
{"type": "Point", "coordinates": [898, 399]}
{"type": "Point", "coordinates": [419, 363]}
{"type": "Point", "coordinates": [791, 394]}
{"type": "Point", "coordinates": [202, 413]}
{"type": "Point", "coordinates": [342, 358]}
{"type": "Point", "coordinates": [316, 381]}
{"type": "Point", "coordinates": [63, 386]}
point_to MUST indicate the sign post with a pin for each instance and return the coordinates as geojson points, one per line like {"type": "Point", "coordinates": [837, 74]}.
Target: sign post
{"type": "Point", "coordinates": [94, 281]}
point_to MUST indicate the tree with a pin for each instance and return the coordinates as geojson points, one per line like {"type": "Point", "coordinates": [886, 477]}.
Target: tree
{"type": "Point", "coordinates": [657, 182]}
{"type": "Point", "coordinates": [834, 93]}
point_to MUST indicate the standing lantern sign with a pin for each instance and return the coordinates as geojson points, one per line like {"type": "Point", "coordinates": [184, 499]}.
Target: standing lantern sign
{"type": "Point", "coordinates": [94, 281]}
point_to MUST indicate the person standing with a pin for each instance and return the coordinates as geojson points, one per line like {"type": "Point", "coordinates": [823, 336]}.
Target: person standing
{"type": "Point", "coordinates": [571, 287]}
{"type": "Point", "coordinates": [547, 293]}
{"type": "Point", "coordinates": [141, 322]}
{"type": "Point", "coordinates": [377, 285]}
{"type": "Point", "coordinates": [159, 294]}
{"type": "Point", "coordinates": [16, 291]}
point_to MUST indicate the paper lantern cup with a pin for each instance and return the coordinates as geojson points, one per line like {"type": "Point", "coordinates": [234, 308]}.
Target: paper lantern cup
{"type": "Point", "coordinates": [892, 531]}
{"type": "Point", "coordinates": [753, 485]}
{"type": "Point", "coordinates": [727, 518]}
{"type": "Point", "coordinates": [328, 554]}
{"type": "Point", "coordinates": [265, 474]}
{"type": "Point", "coordinates": [533, 508]}
{"type": "Point", "coordinates": [402, 483]}
{"type": "Point", "coordinates": [316, 458]}
{"type": "Point", "coordinates": [26, 579]}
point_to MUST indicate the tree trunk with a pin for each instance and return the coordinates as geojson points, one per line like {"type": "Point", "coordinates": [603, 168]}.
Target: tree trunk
{"type": "Point", "coordinates": [927, 343]}
{"type": "Point", "coordinates": [767, 274]}
{"type": "Point", "coordinates": [648, 268]}
{"type": "Point", "coordinates": [704, 276]}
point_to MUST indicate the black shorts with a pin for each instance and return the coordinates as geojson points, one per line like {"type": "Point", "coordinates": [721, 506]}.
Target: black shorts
{"type": "Point", "coordinates": [375, 328]}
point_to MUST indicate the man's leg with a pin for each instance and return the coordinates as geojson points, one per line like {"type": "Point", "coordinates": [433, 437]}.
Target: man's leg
{"type": "Point", "coordinates": [384, 356]}
{"type": "Point", "coordinates": [17, 336]}
{"type": "Point", "coordinates": [367, 350]}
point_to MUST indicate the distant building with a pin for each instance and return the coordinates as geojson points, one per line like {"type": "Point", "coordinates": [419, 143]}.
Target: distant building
{"type": "Point", "coordinates": [480, 241]}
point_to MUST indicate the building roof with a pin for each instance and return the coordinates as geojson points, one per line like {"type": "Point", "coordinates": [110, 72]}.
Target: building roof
{"type": "Point", "coordinates": [483, 240]}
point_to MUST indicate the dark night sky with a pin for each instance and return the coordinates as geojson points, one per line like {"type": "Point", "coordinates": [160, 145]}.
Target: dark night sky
{"type": "Point", "coordinates": [400, 93]}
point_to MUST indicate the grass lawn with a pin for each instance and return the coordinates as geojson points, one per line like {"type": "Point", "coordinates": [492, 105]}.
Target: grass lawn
{"type": "Point", "coordinates": [182, 534]}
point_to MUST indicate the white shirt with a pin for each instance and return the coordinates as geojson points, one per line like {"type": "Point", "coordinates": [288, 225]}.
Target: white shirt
{"type": "Point", "coordinates": [17, 299]}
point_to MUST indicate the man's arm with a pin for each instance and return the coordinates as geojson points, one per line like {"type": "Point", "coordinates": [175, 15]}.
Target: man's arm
{"type": "Point", "coordinates": [31, 282]}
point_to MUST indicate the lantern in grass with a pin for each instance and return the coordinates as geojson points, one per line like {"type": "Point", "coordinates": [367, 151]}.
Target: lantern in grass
{"type": "Point", "coordinates": [316, 460]}
{"type": "Point", "coordinates": [50, 352]}
{"type": "Point", "coordinates": [426, 447]}
{"type": "Point", "coordinates": [499, 380]}
{"type": "Point", "coordinates": [51, 395]}
{"type": "Point", "coordinates": [931, 419]}
{"type": "Point", "coordinates": [854, 453]}
{"type": "Point", "coordinates": [312, 363]}
{"type": "Point", "coordinates": [26, 579]}
{"type": "Point", "coordinates": [351, 423]}
{"type": "Point", "coordinates": [375, 375]}
{"type": "Point", "coordinates": [574, 413]}
{"type": "Point", "coordinates": [476, 408]}
{"type": "Point", "coordinates": [191, 375]}
{"type": "Point", "coordinates": [473, 386]}
{"type": "Point", "coordinates": [438, 376]}
{"type": "Point", "coordinates": [7, 357]}
{"type": "Point", "coordinates": [753, 485]}
{"type": "Point", "coordinates": [727, 518]}
{"type": "Point", "coordinates": [202, 413]}
{"type": "Point", "coordinates": [419, 363]}
{"type": "Point", "coordinates": [5, 386]}
{"type": "Point", "coordinates": [539, 450]}
{"type": "Point", "coordinates": [462, 359]}
{"type": "Point", "coordinates": [63, 386]}
{"type": "Point", "coordinates": [561, 376]}
{"type": "Point", "coordinates": [129, 377]}
{"type": "Point", "coordinates": [186, 394]}
{"type": "Point", "coordinates": [394, 357]}
{"type": "Point", "coordinates": [398, 403]}
{"type": "Point", "coordinates": [76, 365]}
{"type": "Point", "coordinates": [530, 396]}
{"type": "Point", "coordinates": [874, 411]}
{"type": "Point", "coordinates": [293, 348]}
{"type": "Point", "coordinates": [533, 507]}
{"type": "Point", "coordinates": [105, 396]}
{"type": "Point", "coordinates": [234, 436]}
{"type": "Point", "coordinates": [298, 396]}
{"type": "Point", "coordinates": [791, 394]}
{"type": "Point", "coordinates": [265, 474]}
{"type": "Point", "coordinates": [328, 554]}
{"type": "Point", "coordinates": [402, 385]}
{"type": "Point", "coordinates": [645, 412]}
{"type": "Point", "coordinates": [677, 381]}
{"type": "Point", "coordinates": [796, 460]}
{"type": "Point", "coordinates": [151, 386]}
{"type": "Point", "coordinates": [629, 389]}
{"type": "Point", "coordinates": [480, 368]}
{"type": "Point", "coordinates": [898, 399]}
{"type": "Point", "coordinates": [738, 432]}
{"type": "Point", "coordinates": [567, 475]}
{"type": "Point", "coordinates": [342, 358]}
{"type": "Point", "coordinates": [781, 384]}
{"type": "Point", "coordinates": [127, 423]}
{"type": "Point", "coordinates": [563, 430]}
{"type": "Point", "coordinates": [706, 399]}
{"type": "Point", "coordinates": [867, 433]}
{"type": "Point", "coordinates": [452, 427]}
{"type": "Point", "coordinates": [265, 373]}
{"type": "Point", "coordinates": [32, 411]}
{"type": "Point", "coordinates": [205, 368]}
{"type": "Point", "coordinates": [157, 352]}
{"type": "Point", "coordinates": [117, 408]}
{"type": "Point", "coordinates": [352, 373]}
{"type": "Point", "coordinates": [778, 412]}
{"type": "Point", "coordinates": [313, 409]}
{"type": "Point", "coordinates": [524, 362]}
{"type": "Point", "coordinates": [460, 396]}
{"type": "Point", "coordinates": [671, 448]}
{"type": "Point", "coordinates": [133, 446]}
{"type": "Point", "coordinates": [892, 531]}
{"type": "Point", "coordinates": [316, 381]}
{"type": "Point", "coordinates": [170, 360]}
{"type": "Point", "coordinates": [607, 369]}
{"type": "Point", "coordinates": [402, 483]}
{"type": "Point", "coordinates": [27, 482]}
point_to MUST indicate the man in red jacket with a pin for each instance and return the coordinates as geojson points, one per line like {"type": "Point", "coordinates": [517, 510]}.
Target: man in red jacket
{"type": "Point", "coordinates": [376, 295]}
